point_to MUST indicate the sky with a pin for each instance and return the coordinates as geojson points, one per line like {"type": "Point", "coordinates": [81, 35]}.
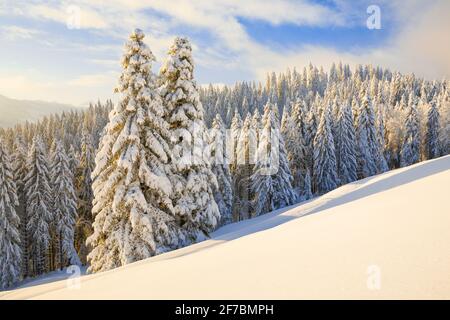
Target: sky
{"type": "Point", "coordinates": [69, 51]}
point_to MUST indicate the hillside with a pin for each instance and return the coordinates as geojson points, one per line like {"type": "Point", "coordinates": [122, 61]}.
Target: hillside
{"type": "Point", "coordinates": [14, 111]}
{"type": "Point", "coordinates": [392, 228]}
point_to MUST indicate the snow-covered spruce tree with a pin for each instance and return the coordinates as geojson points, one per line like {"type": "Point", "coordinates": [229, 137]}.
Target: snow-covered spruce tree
{"type": "Point", "coordinates": [221, 168]}
{"type": "Point", "coordinates": [346, 161]}
{"type": "Point", "coordinates": [39, 202]}
{"type": "Point", "coordinates": [132, 206]}
{"type": "Point", "coordinates": [310, 133]}
{"type": "Point", "coordinates": [271, 181]}
{"type": "Point", "coordinates": [366, 140]}
{"type": "Point", "coordinates": [83, 188]}
{"type": "Point", "coordinates": [293, 133]}
{"type": "Point", "coordinates": [64, 207]}
{"type": "Point", "coordinates": [255, 127]}
{"type": "Point", "coordinates": [285, 118]}
{"type": "Point", "coordinates": [19, 160]}
{"type": "Point", "coordinates": [377, 117]}
{"type": "Point", "coordinates": [193, 198]}
{"type": "Point", "coordinates": [244, 167]}
{"type": "Point", "coordinates": [444, 114]}
{"type": "Point", "coordinates": [410, 152]}
{"type": "Point", "coordinates": [10, 251]}
{"type": "Point", "coordinates": [307, 188]}
{"type": "Point", "coordinates": [432, 133]}
{"type": "Point", "coordinates": [73, 159]}
{"type": "Point", "coordinates": [381, 131]}
{"type": "Point", "coordinates": [325, 176]}
{"type": "Point", "coordinates": [236, 126]}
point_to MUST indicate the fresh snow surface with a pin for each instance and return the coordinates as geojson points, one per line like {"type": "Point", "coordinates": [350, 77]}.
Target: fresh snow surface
{"type": "Point", "coordinates": [384, 237]}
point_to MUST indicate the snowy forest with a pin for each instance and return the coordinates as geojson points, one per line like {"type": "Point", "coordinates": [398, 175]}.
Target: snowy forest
{"type": "Point", "coordinates": [173, 161]}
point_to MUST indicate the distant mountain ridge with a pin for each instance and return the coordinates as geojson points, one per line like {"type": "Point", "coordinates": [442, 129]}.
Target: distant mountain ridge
{"type": "Point", "coordinates": [14, 111]}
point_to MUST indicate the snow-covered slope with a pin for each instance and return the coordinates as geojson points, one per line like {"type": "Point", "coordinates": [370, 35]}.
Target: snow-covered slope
{"type": "Point", "coordinates": [382, 237]}
{"type": "Point", "coordinates": [14, 111]}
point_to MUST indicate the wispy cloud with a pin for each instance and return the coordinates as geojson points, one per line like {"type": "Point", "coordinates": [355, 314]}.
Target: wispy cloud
{"type": "Point", "coordinates": [93, 80]}
{"type": "Point", "coordinates": [16, 33]}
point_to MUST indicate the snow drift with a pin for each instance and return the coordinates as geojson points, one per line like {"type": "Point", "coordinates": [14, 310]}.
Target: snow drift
{"type": "Point", "coordinates": [383, 237]}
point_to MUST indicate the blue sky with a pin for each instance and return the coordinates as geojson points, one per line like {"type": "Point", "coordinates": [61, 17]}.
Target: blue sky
{"type": "Point", "coordinates": [69, 51]}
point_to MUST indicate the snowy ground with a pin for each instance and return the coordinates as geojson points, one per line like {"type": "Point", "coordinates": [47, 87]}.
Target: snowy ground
{"type": "Point", "coordinates": [382, 237]}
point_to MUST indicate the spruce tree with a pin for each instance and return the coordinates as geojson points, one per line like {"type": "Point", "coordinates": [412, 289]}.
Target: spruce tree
{"type": "Point", "coordinates": [381, 132]}
{"type": "Point", "coordinates": [294, 136]}
{"type": "Point", "coordinates": [221, 168]}
{"type": "Point", "coordinates": [346, 161]}
{"type": "Point", "coordinates": [10, 251]}
{"type": "Point", "coordinates": [84, 192]}
{"type": "Point", "coordinates": [310, 133]}
{"type": "Point", "coordinates": [39, 203]}
{"type": "Point", "coordinates": [307, 187]}
{"type": "Point", "coordinates": [324, 177]}
{"type": "Point", "coordinates": [132, 206]}
{"type": "Point", "coordinates": [444, 115]}
{"type": "Point", "coordinates": [195, 208]}
{"type": "Point", "coordinates": [366, 140]}
{"type": "Point", "coordinates": [271, 180]}
{"type": "Point", "coordinates": [236, 126]}
{"type": "Point", "coordinates": [410, 151]}
{"type": "Point", "coordinates": [19, 172]}
{"type": "Point", "coordinates": [255, 127]}
{"type": "Point", "coordinates": [64, 207]}
{"type": "Point", "coordinates": [244, 168]}
{"type": "Point", "coordinates": [432, 132]}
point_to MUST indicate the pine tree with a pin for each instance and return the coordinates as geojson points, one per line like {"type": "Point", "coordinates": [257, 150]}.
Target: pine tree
{"type": "Point", "coordinates": [39, 216]}
{"type": "Point", "coordinates": [432, 134]}
{"type": "Point", "coordinates": [193, 180]}
{"type": "Point", "coordinates": [64, 207]}
{"type": "Point", "coordinates": [325, 177]}
{"type": "Point", "coordinates": [410, 151]}
{"type": "Point", "coordinates": [345, 141]}
{"type": "Point", "coordinates": [271, 180]}
{"type": "Point", "coordinates": [221, 168]}
{"type": "Point", "coordinates": [10, 251]}
{"type": "Point", "coordinates": [132, 206]}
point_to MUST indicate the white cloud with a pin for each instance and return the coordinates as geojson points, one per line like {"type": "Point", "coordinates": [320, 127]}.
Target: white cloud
{"type": "Point", "coordinates": [17, 33]}
{"type": "Point", "coordinates": [420, 45]}
{"type": "Point", "coordinates": [92, 80]}
{"type": "Point", "coordinates": [66, 13]}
